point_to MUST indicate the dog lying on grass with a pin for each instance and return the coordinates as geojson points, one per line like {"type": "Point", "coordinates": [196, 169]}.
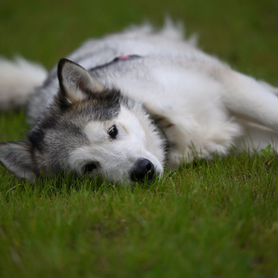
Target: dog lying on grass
{"type": "Point", "coordinates": [128, 105]}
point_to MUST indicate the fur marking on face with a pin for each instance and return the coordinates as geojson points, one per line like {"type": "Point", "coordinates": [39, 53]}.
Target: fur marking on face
{"type": "Point", "coordinates": [118, 144]}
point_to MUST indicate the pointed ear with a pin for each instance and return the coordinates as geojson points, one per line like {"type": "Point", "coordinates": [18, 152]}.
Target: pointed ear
{"type": "Point", "coordinates": [75, 82]}
{"type": "Point", "coordinates": [17, 158]}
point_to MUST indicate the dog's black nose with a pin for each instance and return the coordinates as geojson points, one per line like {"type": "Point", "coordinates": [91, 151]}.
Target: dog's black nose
{"type": "Point", "coordinates": [142, 170]}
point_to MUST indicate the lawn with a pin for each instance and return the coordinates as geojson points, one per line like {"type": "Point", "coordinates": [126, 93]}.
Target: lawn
{"type": "Point", "coordinates": [208, 219]}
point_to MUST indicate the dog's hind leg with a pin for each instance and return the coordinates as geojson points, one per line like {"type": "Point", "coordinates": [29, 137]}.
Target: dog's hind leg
{"type": "Point", "coordinates": [250, 99]}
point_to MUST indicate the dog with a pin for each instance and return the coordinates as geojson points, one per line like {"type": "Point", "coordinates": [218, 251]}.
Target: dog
{"type": "Point", "coordinates": [128, 105]}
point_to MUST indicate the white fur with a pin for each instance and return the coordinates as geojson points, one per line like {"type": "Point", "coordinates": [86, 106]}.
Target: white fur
{"type": "Point", "coordinates": [17, 81]}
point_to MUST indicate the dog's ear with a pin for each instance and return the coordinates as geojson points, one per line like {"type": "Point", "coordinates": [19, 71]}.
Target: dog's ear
{"type": "Point", "coordinates": [17, 158]}
{"type": "Point", "coordinates": [76, 84]}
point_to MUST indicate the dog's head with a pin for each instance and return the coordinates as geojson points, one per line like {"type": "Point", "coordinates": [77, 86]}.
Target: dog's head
{"type": "Point", "coordinates": [90, 130]}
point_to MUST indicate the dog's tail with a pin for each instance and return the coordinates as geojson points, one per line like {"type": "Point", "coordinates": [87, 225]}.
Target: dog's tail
{"type": "Point", "coordinates": [18, 80]}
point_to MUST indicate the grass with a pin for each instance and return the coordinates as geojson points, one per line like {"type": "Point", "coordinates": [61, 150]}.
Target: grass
{"type": "Point", "coordinates": [208, 219]}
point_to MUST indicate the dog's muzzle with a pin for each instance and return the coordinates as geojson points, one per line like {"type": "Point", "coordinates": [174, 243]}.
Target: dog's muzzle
{"type": "Point", "coordinates": [142, 170]}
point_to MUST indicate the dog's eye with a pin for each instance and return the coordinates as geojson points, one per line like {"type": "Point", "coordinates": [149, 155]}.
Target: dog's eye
{"type": "Point", "coordinates": [113, 132]}
{"type": "Point", "coordinates": [89, 167]}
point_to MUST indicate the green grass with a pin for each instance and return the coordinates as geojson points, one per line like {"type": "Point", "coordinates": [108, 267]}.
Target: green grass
{"type": "Point", "coordinates": [208, 219]}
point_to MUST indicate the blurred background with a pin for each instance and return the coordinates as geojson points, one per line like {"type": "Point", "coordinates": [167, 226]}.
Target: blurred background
{"type": "Point", "coordinates": [206, 220]}
{"type": "Point", "coordinates": [243, 33]}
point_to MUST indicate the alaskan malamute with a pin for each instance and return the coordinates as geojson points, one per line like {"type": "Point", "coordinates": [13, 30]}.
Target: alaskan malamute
{"type": "Point", "coordinates": [128, 105]}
